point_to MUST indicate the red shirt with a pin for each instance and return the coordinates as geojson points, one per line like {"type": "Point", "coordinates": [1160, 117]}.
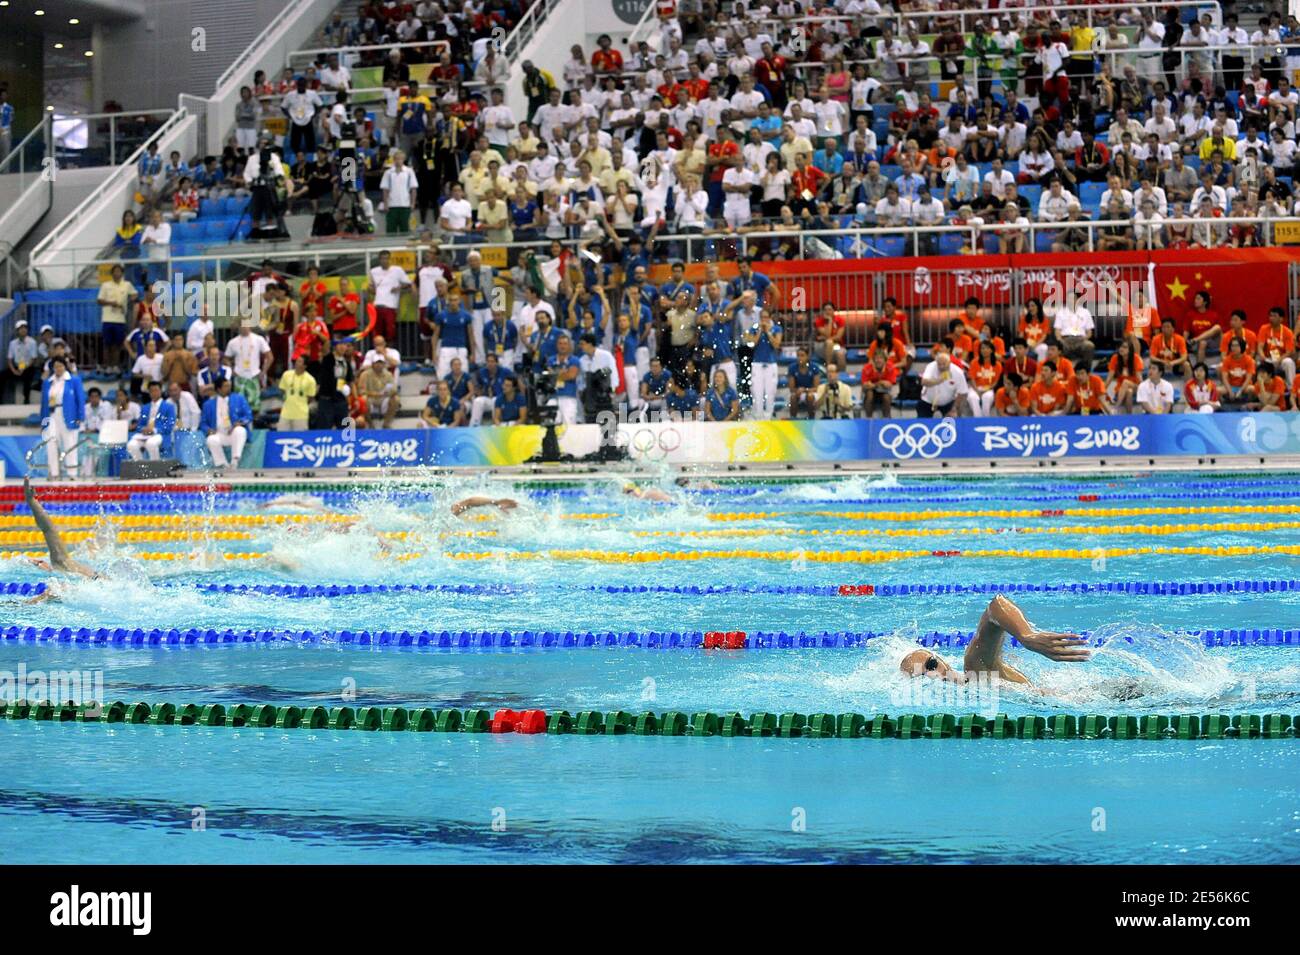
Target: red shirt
{"type": "Point", "coordinates": [307, 338]}
{"type": "Point", "coordinates": [719, 150]}
{"type": "Point", "coordinates": [871, 374]}
{"type": "Point", "coordinates": [1198, 323]}
{"type": "Point", "coordinates": [807, 179]}
{"type": "Point", "coordinates": [344, 321]}
{"type": "Point", "coordinates": [1025, 367]}
{"type": "Point", "coordinates": [607, 61]}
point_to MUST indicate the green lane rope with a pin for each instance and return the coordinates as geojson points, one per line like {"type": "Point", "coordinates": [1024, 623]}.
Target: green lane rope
{"type": "Point", "coordinates": [1148, 726]}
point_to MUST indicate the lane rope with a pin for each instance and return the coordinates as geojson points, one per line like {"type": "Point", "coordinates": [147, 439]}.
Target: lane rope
{"type": "Point", "coordinates": [790, 725]}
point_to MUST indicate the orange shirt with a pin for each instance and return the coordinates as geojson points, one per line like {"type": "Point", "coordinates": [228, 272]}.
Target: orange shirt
{"type": "Point", "coordinates": [1033, 332]}
{"type": "Point", "coordinates": [1064, 369]}
{"type": "Point", "coordinates": [975, 324]}
{"type": "Point", "coordinates": [1237, 371]}
{"type": "Point", "coordinates": [1276, 342]}
{"type": "Point", "coordinates": [897, 353]}
{"type": "Point", "coordinates": [607, 61]}
{"type": "Point", "coordinates": [963, 347]}
{"type": "Point", "coordinates": [313, 293]}
{"type": "Point", "coordinates": [1277, 385]}
{"type": "Point", "coordinates": [899, 322]}
{"type": "Point", "coordinates": [1142, 322]}
{"type": "Point", "coordinates": [871, 374]}
{"type": "Point", "coordinates": [1135, 377]}
{"type": "Point", "coordinates": [1002, 399]}
{"type": "Point", "coordinates": [1169, 349]}
{"type": "Point", "coordinates": [1245, 334]}
{"type": "Point", "coordinates": [1087, 398]}
{"type": "Point", "coordinates": [1047, 399]}
{"type": "Point", "coordinates": [1198, 323]}
{"type": "Point", "coordinates": [984, 376]}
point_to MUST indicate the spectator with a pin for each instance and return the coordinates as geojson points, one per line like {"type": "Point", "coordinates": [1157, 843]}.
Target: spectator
{"type": "Point", "coordinates": [942, 383]}
{"type": "Point", "coordinates": [153, 433]}
{"type": "Point", "coordinates": [226, 420]}
{"type": "Point", "coordinates": [834, 398]}
{"type": "Point", "coordinates": [63, 410]}
{"type": "Point", "coordinates": [251, 359]}
{"type": "Point", "coordinates": [298, 387]}
{"type": "Point", "coordinates": [1155, 395]}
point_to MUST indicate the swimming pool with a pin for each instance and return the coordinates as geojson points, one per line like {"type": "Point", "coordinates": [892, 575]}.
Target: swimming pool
{"type": "Point", "coordinates": [620, 592]}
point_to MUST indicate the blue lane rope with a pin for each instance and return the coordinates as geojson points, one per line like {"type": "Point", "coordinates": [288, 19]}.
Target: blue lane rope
{"type": "Point", "coordinates": [525, 639]}
{"type": "Point", "coordinates": [1172, 588]}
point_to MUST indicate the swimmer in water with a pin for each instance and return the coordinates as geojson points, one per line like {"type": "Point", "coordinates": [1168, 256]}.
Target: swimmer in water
{"type": "Point", "coordinates": [60, 560]}
{"type": "Point", "coordinates": [504, 504]}
{"type": "Point", "coordinates": [698, 484]}
{"type": "Point", "coordinates": [293, 502]}
{"type": "Point", "coordinates": [984, 652]}
{"type": "Point", "coordinates": [648, 494]}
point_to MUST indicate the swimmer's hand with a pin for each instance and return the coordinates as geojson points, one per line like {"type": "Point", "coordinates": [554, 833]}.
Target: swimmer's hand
{"type": "Point", "coordinates": [1061, 647]}
{"type": "Point", "coordinates": [40, 564]}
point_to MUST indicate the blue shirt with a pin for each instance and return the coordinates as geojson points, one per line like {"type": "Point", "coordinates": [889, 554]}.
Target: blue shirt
{"type": "Point", "coordinates": [208, 177]}
{"type": "Point", "coordinates": [718, 338]}
{"type": "Point", "coordinates": [6, 115]}
{"type": "Point", "coordinates": [454, 328]}
{"type": "Point", "coordinates": [524, 215]}
{"type": "Point", "coordinates": [500, 339]}
{"type": "Point", "coordinates": [545, 344]}
{"type": "Point", "coordinates": [830, 163]}
{"type": "Point", "coordinates": [565, 389]}
{"type": "Point", "coordinates": [150, 165]}
{"type": "Point", "coordinates": [512, 409]}
{"type": "Point", "coordinates": [687, 401]}
{"type": "Point", "coordinates": [487, 384]}
{"type": "Point", "coordinates": [764, 353]}
{"type": "Point", "coordinates": [669, 290]}
{"type": "Point", "coordinates": [657, 385]}
{"type": "Point", "coordinates": [443, 414]}
{"type": "Point", "coordinates": [642, 319]}
{"type": "Point", "coordinates": [720, 404]}
{"type": "Point", "coordinates": [802, 377]}
{"type": "Point", "coordinates": [459, 386]}
{"type": "Point", "coordinates": [629, 344]}
{"type": "Point", "coordinates": [756, 281]}
{"type": "Point", "coordinates": [137, 339]}
{"type": "Point", "coordinates": [768, 129]}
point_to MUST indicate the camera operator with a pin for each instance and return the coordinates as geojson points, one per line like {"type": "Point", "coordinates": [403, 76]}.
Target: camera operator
{"type": "Point", "coordinates": [599, 377]}
{"type": "Point", "coordinates": [354, 213]}
{"type": "Point", "coordinates": [264, 174]}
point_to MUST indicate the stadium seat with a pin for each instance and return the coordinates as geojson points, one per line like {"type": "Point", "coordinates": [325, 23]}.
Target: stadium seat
{"type": "Point", "coordinates": [218, 230]}
{"type": "Point", "coordinates": [1043, 241]}
{"type": "Point", "coordinates": [1090, 195]}
{"type": "Point", "coordinates": [186, 232]}
{"type": "Point", "coordinates": [890, 245]}
{"type": "Point", "coordinates": [235, 205]}
{"type": "Point", "coordinates": [209, 208]}
{"type": "Point", "coordinates": [990, 243]}
{"type": "Point", "coordinates": [950, 243]}
{"type": "Point", "coordinates": [1032, 192]}
{"type": "Point", "coordinates": [1012, 166]}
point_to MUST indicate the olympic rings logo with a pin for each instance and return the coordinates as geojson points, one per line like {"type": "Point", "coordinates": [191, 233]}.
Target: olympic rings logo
{"type": "Point", "coordinates": [647, 444]}
{"type": "Point", "coordinates": [918, 440]}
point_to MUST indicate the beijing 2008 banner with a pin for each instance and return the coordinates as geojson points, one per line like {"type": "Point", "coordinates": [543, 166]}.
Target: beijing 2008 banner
{"type": "Point", "coordinates": [897, 439]}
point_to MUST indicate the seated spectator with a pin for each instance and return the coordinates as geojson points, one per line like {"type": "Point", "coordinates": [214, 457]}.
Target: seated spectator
{"type": "Point", "coordinates": [801, 385]}
{"type": "Point", "coordinates": [834, 398]}
{"type": "Point", "coordinates": [1200, 393]}
{"type": "Point", "coordinates": [225, 421]}
{"type": "Point", "coordinates": [153, 432]}
{"type": "Point", "coordinates": [1124, 375]}
{"type": "Point", "coordinates": [1155, 395]}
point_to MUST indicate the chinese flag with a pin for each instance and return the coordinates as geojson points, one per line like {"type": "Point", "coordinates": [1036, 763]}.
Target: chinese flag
{"type": "Point", "coordinates": [1254, 287]}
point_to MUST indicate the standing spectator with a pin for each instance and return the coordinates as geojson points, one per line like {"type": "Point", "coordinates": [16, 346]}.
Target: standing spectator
{"type": "Point", "coordinates": [301, 106]}
{"type": "Point", "coordinates": [385, 288]}
{"type": "Point", "coordinates": [298, 387]}
{"type": "Point", "coordinates": [248, 120]}
{"type": "Point", "coordinates": [765, 339]}
{"type": "Point", "coordinates": [400, 189]}
{"type": "Point", "coordinates": [63, 408]}
{"type": "Point", "coordinates": [251, 359]}
{"type": "Point", "coordinates": [226, 421]}
{"type": "Point", "coordinates": [116, 298]}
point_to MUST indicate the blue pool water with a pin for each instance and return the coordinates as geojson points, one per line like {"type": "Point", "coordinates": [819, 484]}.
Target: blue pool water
{"type": "Point", "coordinates": [128, 794]}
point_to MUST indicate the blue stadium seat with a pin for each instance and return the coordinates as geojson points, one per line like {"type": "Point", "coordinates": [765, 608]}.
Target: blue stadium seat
{"type": "Point", "coordinates": [950, 243]}
{"type": "Point", "coordinates": [890, 245]}
{"type": "Point", "coordinates": [990, 243]}
{"type": "Point", "coordinates": [186, 232]}
{"type": "Point", "coordinates": [235, 205]}
{"type": "Point", "coordinates": [1090, 195]}
{"type": "Point", "coordinates": [1043, 241]}
{"type": "Point", "coordinates": [891, 171]}
{"type": "Point", "coordinates": [1012, 166]}
{"type": "Point", "coordinates": [209, 208]}
{"type": "Point", "coordinates": [1192, 162]}
{"type": "Point", "coordinates": [218, 230]}
{"type": "Point", "coordinates": [245, 229]}
{"type": "Point", "coordinates": [1033, 192]}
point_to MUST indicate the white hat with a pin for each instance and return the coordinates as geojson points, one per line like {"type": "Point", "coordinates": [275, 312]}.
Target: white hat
{"type": "Point", "coordinates": [46, 328]}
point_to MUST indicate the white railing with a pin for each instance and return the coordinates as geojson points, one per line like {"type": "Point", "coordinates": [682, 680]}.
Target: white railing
{"type": "Point", "coordinates": [692, 247]}
{"type": "Point", "coordinates": [99, 212]}
{"type": "Point", "coordinates": [525, 29]}
{"type": "Point", "coordinates": [646, 28]}
{"type": "Point", "coordinates": [242, 68]}
{"type": "Point", "coordinates": [342, 51]}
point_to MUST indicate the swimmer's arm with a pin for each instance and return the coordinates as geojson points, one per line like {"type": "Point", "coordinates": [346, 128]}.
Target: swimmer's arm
{"type": "Point", "coordinates": [469, 503]}
{"type": "Point", "coordinates": [59, 558]}
{"type": "Point", "coordinates": [1003, 617]}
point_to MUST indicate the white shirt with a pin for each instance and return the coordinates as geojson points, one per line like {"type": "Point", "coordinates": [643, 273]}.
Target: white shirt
{"type": "Point", "coordinates": [1052, 208]}
{"type": "Point", "coordinates": [1150, 394]}
{"type": "Point", "coordinates": [399, 185]}
{"type": "Point", "coordinates": [246, 351]}
{"type": "Point", "coordinates": [1000, 181]}
{"type": "Point", "coordinates": [1072, 321]}
{"type": "Point", "coordinates": [737, 176]}
{"type": "Point", "coordinates": [390, 357]}
{"type": "Point", "coordinates": [493, 117]}
{"type": "Point", "coordinates": [597, 360]}
{"type": "Point", "coordinates": [429, 277]}
{"type": "Point", "coordinates": [199, 329]}
{"type": "Point", "coordinates": [187, 415]}
{"type": "Point", "coordinates": [946, 391]}
{"type": "Point", "coordinates": [457, 212]}
{"type": "Point", "coordinates": [302, 106]}
{"type": "Point", "coordinates": [96, 415]}
{"type": "Point", "coordinates": [150, 369]}
{"type": "Point", "coordinates": [388, 285]}
{"type": "Point", "coordinates": [157, 238]}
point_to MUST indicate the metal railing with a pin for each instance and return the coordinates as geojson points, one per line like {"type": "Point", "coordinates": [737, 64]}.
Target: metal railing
{"type": "Point", "coordinates": [29, 172]}
{"type": "Point", "coordinates": [243, 65]}
{"type": "Point", "coordinates": [526, 28]}
{"type": "Point", "coordinates": [311, 54]}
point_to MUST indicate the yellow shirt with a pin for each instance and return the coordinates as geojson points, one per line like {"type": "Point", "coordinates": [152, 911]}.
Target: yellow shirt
{"type": "Point", "coordinates": [475, 182]}
{"type": "Point", "coordinates": [118, 293]}
{"type": "Point", "coordinates": [297, 390]}
{"type": "Point", "coordinates": [1208, 147]}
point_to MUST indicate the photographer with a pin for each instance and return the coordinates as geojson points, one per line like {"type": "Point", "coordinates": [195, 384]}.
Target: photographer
{"type": "Point", "coordinates": [264, 173]}
{"type": "Point", "coordinates": [600, 375]}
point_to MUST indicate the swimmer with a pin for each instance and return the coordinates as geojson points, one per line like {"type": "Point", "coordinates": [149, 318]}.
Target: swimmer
{"type": "Point", "coordinates": [293, 501]}
{"type": "Point", "coordinates": [648, 494]}
{"type": "Point", "coordinates": [698, 484]}
{"type": "Point", "coordinates": [59, 560]}
{"type": "Point", "coordinates": [504, 504]}
{"type": "Point", "coordinates": [984, 652]}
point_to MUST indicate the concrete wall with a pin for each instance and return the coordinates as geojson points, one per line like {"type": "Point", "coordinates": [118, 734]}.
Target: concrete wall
{"type": "Point", "coordinates": [146, 63]}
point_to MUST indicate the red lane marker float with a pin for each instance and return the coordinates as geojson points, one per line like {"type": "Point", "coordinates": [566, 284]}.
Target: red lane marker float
{"type": "Point", "coordinates": [724, 640]}
{"type": "Point", "coordinates": [1089, 498]}
{"type": "Point", "coordinates": [857, 590]}
{"type": "Point", "coordinates": [1051, 513]}
{"type": "Point", "coordinates": [945, 553]}
{"type": "Point", "coordinates": [525, 721]}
